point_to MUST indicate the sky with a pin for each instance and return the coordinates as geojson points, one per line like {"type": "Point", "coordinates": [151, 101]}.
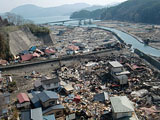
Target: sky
{"type": "Point", "coordinates": [7, 5]}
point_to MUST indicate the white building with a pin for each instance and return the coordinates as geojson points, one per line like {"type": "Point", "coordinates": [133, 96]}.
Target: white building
{"type": "Point", "coordinates": [121, 107]}
{"type": "Point", "coordinates": [50, 83]}
{"type": "Point", "coordinates": [0, 74]}
{"type": "Point", "coordinates": [118, 72]}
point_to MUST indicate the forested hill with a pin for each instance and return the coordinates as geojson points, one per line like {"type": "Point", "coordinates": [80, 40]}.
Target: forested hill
{"type": "Point", "coordinates": [96, 14]}
{"type": "Point", "coordinates": [144, 11]}
{"type": "Point", "coordinates": [4, 42]}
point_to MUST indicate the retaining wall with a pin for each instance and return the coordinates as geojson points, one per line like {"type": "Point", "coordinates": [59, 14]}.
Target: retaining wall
{"type": "Point", "coordinates": [148, 58]}
{"type": "Point", "coordinates": [51, 64]}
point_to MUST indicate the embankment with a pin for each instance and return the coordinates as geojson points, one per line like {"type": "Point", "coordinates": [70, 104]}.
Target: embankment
{"type": "Point", "coordinates": [23, 39]}
{"type": "Point", "coordinates": [51, 64]}
{"type": "Point", "coordinates": [148, 58]}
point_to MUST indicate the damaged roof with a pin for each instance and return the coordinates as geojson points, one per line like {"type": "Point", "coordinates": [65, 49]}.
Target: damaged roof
{"type": "Point", "coordinates": [55, 107]}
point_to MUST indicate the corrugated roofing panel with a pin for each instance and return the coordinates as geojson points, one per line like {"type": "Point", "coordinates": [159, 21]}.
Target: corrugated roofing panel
{"type": "Point", "coordinates": [22, 97]}
{"type": "Point", "coordinates": [26, 57]}
{"type": "Point", "coordinates": [115, 64]}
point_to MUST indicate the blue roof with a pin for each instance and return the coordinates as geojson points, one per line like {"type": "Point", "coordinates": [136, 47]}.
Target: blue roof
{"type": "Point", "coordinates": [33, 48]}
{"type": "Point", "coordinates": [47, 95]}
{"type": "Point", "coordinates": [25, 115]}
{"type": "Point", "coordinates": [49, 117]}
{"type": "Point", "coordinates": [35, 100]}
{"type": "Point", "coordinates": [24, 52]}
{"type": "Point", "coordinates": [4, 111]}
{"type": "Point", "coordinates": [7, 97]}
{"type": "Point", "coordinates": [55, 107]}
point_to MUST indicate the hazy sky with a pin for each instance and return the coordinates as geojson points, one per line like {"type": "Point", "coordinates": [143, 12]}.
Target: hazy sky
{"type": "Point", "coordinates": [7, 5]}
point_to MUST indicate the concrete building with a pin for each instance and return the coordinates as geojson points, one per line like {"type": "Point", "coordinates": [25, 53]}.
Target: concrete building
{"type": "Point", "coordinates": [121, 107]}
{"type": "Point", "coordinates": [118, 72]}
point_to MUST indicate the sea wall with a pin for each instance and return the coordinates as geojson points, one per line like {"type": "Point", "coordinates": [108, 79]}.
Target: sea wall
{"type": "Point", "coordinates": [51, 64]}
{"type": "Point", "coordinates": [148, 58]}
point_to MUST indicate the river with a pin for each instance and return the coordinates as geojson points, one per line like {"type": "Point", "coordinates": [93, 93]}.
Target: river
{"type": "Point", "coordinates": [134, 42]}
{"type": "Point", "coordinates": [128, 39]}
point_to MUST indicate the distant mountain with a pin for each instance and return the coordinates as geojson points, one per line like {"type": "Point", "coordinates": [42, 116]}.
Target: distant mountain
{"type": "Point", "coordinates": [94, 7]}
{"type": "Point", "coordinates": [30, 10]}
{"type": "Point", "coordinates": [93, 12]}
{"type": "Point", "coordinates": [85, 14]}
{"type": "Point", "coordinates": [144, 11]}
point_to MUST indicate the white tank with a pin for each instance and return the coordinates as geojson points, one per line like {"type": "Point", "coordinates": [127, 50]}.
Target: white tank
{"type": "Point", "coordinates": [0, 74]}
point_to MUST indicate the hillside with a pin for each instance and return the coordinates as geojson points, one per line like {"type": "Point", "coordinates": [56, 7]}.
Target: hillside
{"type": "Point", "coordinates": [30, 10]}
{"type": "Point", "coordinates": [96, 14]}
{"type": "Point", "coordinates": [16, 38]}
{"type": "Point", "coordinates": [144, 11]}
{"type": "Point", "coordinates": [4, 46]}
{"type": "Point", "coordinates": [4, 41]}
{"type": "Point", "coordinates": [27, 36]}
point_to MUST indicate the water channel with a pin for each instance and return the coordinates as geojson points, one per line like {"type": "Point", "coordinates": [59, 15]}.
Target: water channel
{"type": "Point", "coordinates": [128, 39]}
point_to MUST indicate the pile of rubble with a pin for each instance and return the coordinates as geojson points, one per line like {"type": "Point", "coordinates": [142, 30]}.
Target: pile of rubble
{"type": "Point", "coordinates": [87, 81]}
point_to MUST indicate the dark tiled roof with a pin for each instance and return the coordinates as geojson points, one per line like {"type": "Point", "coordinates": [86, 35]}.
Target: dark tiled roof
{"type": "Point", "coordinates": [46, 95]}
{"type": "Point", "coordinates": [26, 115]}
{"type": "Point", "coordinates": [34, 99]}
{"type": "Point", "coordinates": [101, 97]}
{"type": "Point", "coordinates": [55, 107]}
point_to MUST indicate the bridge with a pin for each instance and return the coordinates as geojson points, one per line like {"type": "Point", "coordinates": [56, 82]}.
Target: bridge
{"type": "Point", "coordinates": [63, 21]}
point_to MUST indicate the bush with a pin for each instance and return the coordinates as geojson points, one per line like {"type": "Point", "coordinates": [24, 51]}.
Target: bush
{"type": "Point", "coordinates": [37, 30]}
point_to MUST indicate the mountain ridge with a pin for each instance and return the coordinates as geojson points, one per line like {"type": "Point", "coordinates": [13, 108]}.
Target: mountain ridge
{"type": "Point", "coordinates": [30, 10]}
{"type": "Point", "coordinates": [142, 11]}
